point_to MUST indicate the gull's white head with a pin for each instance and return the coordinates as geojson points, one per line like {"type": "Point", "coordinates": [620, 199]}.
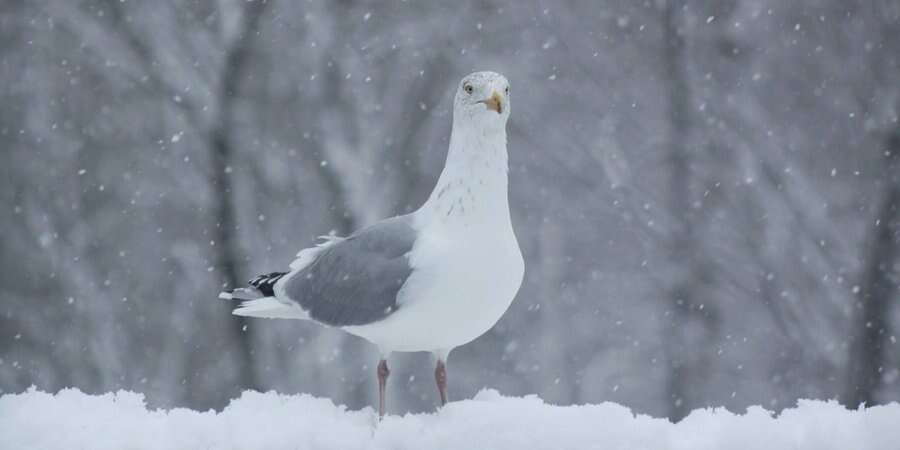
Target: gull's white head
{"type": "Point", "coordinates": [483, 98]}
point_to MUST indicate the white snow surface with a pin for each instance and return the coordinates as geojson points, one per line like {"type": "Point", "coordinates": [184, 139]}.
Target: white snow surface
{"type": "Point", "coordinates": [71, 419]}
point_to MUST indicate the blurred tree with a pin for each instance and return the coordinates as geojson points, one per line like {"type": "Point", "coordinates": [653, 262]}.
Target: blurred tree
{"type": "Point", "coordinates": [869, 364]}
{"type": "Point", "coordinates": [212, 116]}
{"type": "Point", "coordinates": [879, 289]}
{"type": "Point", "coordinates": [227, 249]}
{"type": "Point", "coordinates": [689, 322]}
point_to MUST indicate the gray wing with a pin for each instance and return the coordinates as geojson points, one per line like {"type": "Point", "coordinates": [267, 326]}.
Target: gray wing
{"type": "Point", "coordinates": [355, 281]}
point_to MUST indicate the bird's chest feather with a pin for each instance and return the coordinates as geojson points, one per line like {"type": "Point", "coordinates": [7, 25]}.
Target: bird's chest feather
{"type": "Point", "coordinates": [459, 289]}
{"type": "Point", "coordinates": [471, 265]}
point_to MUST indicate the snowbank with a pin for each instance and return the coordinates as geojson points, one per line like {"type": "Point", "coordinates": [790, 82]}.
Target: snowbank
{"type": "Point", "coordinates": [71, 419]}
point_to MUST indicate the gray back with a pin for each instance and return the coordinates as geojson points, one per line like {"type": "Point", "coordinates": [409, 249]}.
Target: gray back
{"type": "Point", "coordinates": [355, 281]}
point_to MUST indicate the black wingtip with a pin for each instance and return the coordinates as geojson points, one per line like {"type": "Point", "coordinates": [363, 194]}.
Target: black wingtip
{"type": "Point", "coordinates": [266, 283]}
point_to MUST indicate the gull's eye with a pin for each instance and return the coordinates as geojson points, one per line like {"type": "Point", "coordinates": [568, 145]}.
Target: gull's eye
{"type": "Point", "coordinates": [507, 90]}
{"type": "Point", "coordinates": [468, 88]}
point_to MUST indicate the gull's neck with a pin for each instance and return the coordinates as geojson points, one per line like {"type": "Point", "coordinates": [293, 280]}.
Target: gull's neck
{"type": "Point", "coordinates": [473, 186]}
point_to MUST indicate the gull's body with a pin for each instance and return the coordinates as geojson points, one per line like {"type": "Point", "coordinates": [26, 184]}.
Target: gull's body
{"type": "Point", "coordinates": [431, 280]}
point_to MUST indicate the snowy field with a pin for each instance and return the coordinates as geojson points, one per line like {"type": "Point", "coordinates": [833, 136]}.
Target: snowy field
{"type": "Point", "coordinates": [73, 420]}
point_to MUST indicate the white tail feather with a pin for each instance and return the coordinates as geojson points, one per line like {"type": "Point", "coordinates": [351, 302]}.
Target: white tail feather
{"type": "Point", "coordinates": [241, 294]}
{"type": "Point", "coordinates": [271, 308]}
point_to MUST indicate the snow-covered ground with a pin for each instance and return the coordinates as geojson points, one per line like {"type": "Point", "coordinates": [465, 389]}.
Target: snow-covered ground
{"type": "Point", "coordinates": [74, 420]}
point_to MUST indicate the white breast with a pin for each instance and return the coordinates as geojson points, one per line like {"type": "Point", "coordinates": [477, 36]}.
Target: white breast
{"type": "Point", "coordinates": [463, 283]}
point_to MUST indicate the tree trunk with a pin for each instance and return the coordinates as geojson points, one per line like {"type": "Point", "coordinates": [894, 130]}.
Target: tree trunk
{"type": "Point", "coordinates": [879, 287]}
{"type": "Point", "coordinates": [686, 325]}
{"type": "Point", "coordinates": [227, 249]}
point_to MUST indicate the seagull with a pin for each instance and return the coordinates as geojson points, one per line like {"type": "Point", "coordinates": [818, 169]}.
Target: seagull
{"type": "Point", "coordinates": [431, 280]}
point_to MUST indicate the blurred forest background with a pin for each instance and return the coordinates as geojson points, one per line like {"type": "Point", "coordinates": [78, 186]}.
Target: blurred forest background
{"type": "Point", "coordinates": [707, 193]}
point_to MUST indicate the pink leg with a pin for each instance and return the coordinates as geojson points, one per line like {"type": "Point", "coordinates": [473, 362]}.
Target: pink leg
{"type": "Point", "coordinates": [440, 377]}
{"type": "Point", "coordinates": [383, 373]}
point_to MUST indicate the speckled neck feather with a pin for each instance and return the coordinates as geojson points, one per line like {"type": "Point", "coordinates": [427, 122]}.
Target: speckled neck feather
{"type": "Point", "coordinates": [474, 183]}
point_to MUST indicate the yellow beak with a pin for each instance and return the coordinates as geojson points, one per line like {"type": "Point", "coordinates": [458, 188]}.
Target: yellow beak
{"type": "Point", "coordinates": [494, 102]}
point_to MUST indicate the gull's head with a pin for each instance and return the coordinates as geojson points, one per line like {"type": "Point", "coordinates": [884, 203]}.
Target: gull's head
{"type": "Point", "coordinates": [482, 97]}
